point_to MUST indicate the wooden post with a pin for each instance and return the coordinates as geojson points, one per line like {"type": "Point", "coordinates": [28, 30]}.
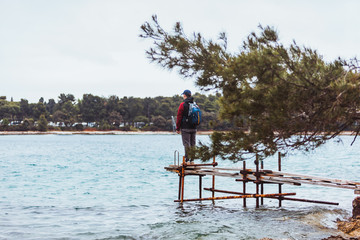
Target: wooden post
{"type": "Point", "coordinates": [213, 180]}
{"type": "Point", "coordinates": [200, 186]}
{"type": "Point", "coordinates": [257, 180]}
{"type": "Point", "coordinates": [262, 184]}
{"type": "Point", "coordinates": [182, 179]}
{"type": "Point", "coordinates": [279, 169]}
{"type": "Point", "coordinates": [244, 182]}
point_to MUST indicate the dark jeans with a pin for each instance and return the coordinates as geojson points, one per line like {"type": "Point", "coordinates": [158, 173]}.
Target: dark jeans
{"type": "Point", "coordinates": [188, 139]}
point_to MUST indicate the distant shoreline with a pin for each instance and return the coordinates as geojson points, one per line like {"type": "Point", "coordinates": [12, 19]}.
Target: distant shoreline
{"type": "Point", "coordinates": [96, 133]}
{"type": "Point", "coordinates": [345, 133]}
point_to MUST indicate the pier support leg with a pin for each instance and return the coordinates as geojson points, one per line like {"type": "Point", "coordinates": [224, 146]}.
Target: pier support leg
{"type": "Point", "coordinates": [200, 186]}
{"type": "Point", "coordinates": [213, 180]}
{"type": "Point", "coordinates": [257, 180]}
{"type": "Point", "coordinates": [279, 168]}
{"type": "Point", "coordinates": [262, 185]}
{"type": "Point", "coordinates": [182, 180]}
{"type": "Point", "coordinates": [244, 182]}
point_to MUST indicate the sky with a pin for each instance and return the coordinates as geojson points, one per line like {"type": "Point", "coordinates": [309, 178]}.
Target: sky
{"type": "Point", "coordinates": [93, 46]}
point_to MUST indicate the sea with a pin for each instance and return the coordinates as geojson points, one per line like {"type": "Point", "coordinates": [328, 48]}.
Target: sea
{"type": "Point", "coordinates": [115, 187]}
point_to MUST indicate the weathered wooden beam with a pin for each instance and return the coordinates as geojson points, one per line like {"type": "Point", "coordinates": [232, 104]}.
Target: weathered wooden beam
{"type": "Point", "coordinates": [268, 181]}
{"type": "Point", "coordinates": [225, 169]}
{"type": "Point", "coordinates": [182, 181]}
{"type": "Point", "coordinates": [300, 181]}
{"type": "Point", "coordinates": [276, 197]}
{"type": "Point", "coordinates": [304, 200]}
{"type": "Point", "coordinates": [234, 197]}
{"type": "Point", "coordinates": [200, 186]}
{"type": "Point", "coordinates": [270, 178]}
{"type": "Point", "coordinates": [262, 184]}
{"type": "Point", "coordinates": [268, 172]}
{"type": "Point", "coordinates": [244, 182]}
{"type": "Point", "coordinates": [307, 177]}
{"type": "Point", "coordinates": [266, 176]}
{"type": "Point", "coordinates": [214, 173]}
{"type": "Point", "coordinates": [280, 185]}
{"type": "Point", "coordinates": [257, 182]}
{"type": "Point", "coordinates": [214, 164]}
{"type": "Point", "coordinates": [224, 191]}
{"type": "Point", "coordinates": [213, 181]}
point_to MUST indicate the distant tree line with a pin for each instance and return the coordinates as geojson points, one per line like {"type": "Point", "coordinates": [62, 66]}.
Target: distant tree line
{"type": "Point", "coordinates": [93, 112]}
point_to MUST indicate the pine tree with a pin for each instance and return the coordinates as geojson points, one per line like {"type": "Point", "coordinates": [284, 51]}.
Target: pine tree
{"type": "Point", "coordinates": [42, 124]}
{"type": "Point", "coordinates": [279, 98]}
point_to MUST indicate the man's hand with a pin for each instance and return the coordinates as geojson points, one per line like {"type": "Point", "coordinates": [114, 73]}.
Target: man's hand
{"type": "Point", "coordinates": [178, 131]}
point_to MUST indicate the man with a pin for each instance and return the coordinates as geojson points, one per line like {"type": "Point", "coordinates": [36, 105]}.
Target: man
{"type": "Point", "coordinates": [188, 130]}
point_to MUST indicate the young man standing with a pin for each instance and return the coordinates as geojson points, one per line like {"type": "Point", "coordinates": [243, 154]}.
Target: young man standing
{"type": "Point", "coordinates": [183, 124]}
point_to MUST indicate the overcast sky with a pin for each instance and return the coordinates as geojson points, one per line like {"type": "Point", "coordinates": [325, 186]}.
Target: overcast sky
{"type": "Point", "coordinates": [48, 47]}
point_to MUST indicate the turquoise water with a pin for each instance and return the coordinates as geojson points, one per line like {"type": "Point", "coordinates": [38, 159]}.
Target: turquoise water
{"type": "Point", "coordinates": [115, 187]}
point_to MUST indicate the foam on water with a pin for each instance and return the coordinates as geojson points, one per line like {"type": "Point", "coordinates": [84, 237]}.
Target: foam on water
{"type": "Point", "coordinates": [115, 187]}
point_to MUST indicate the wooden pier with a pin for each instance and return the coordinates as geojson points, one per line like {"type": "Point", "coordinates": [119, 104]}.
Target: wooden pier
{"type": "Point", "coordinates": [259, 176]}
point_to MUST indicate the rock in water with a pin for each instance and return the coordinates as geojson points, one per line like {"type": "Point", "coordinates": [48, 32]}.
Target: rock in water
{"type": "Point", "coordinates": [339, 238]}
{"type": "Point", "coordinates": [356, 208]}
{"type": "Point", "coordinates": [351, 227]}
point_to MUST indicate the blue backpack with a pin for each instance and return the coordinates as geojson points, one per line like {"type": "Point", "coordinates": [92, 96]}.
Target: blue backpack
{"type": "Point", "coordinates": [194, 114]}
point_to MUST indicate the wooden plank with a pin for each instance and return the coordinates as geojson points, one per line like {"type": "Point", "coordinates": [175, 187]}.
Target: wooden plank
{"type": "Point", "coordinates": [277, 173]}
{"type": "Point", "coordinates": [268, 176]}
{"type": "Point", "coordinates": [279, 181]}
{"type": "Point", "coordinates": [346, 182]}
{"type": "Point", "coordinates": [225, 169]}
{"type": "Point", "coordinates": [287, 181]}
{"type": "Point", "coordinates": [213, 173]}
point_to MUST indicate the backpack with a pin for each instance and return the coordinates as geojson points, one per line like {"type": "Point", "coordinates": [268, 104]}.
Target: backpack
{"type": "Point", "coordinates": [194, 115]}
